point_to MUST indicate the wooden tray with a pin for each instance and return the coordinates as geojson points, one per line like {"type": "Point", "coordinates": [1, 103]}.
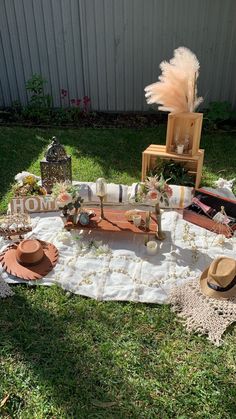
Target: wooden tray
{"type": "Point", "coordinates": [115, 222]}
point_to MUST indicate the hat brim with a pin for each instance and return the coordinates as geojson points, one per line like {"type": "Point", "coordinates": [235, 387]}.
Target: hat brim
{"type": "Point", "coordinates": [209, 292]}
{"type": "Point", "coordinates": [33, 272]}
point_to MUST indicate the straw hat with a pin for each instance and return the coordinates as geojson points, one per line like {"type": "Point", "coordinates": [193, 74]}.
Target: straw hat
{"type": "Point", "coordinates": [30, 259]}
{"type": "Point", "coordinates": [219, 279]}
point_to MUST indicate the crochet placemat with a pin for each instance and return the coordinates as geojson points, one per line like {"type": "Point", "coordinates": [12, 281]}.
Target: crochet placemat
{"type": "Point", "coordinates": [5, 290]}
{"type": "Point", "coordinates": [201, 314]}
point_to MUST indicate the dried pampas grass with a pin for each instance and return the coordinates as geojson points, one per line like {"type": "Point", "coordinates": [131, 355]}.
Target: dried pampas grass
{"type": "Point", "coordinates": [177, 89]}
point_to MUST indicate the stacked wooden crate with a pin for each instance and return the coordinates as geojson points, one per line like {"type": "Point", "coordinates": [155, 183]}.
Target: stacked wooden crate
{"type": "Point", "coordinates": [183, 134]}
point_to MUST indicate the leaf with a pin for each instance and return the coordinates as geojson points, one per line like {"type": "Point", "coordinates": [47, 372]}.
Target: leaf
{"type": "Point", "coordinates": [3, 402]}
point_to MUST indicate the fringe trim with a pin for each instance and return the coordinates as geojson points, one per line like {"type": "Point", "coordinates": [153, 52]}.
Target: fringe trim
{"type": "Point", "coordinates": [201, 314]}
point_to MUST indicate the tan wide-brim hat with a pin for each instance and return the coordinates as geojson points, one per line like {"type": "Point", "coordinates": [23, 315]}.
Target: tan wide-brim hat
{"type": "Point", "coordinates": [30, 259]}
{"type": "Point", "coordinates": [219, 279]}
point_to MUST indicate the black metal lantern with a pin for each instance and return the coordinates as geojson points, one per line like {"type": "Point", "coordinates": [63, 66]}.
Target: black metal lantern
{"type": "Point", "coordinates": [56, 166]}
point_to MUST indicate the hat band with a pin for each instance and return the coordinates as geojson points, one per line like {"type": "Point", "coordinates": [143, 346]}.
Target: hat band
{"type": "Point", "coordinates": [222, 289]}
{"type": "Point", "coordinates": [30, 263]}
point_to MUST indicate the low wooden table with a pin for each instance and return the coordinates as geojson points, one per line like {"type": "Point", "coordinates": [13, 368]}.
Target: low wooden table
{"type": "Point", "coordinates": [115, 222]}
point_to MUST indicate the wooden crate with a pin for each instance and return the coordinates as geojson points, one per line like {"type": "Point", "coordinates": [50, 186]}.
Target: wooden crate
{"type": "Point", "coordinates": [192, 163]}
{"type": "Point", "coordinates": [181, 126]}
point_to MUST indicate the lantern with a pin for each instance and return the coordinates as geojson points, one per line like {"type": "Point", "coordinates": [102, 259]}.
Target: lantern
{"type": "Point", "coordinates": [56, 166]}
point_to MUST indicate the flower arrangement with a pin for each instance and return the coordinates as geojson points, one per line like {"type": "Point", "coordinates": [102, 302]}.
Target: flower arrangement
{"type": "Point", "coordinates": [156, 190]}
{"type": "Point", "coordinates": [27, 184]}
{"type": "Point", "coordinates": [67, 197]}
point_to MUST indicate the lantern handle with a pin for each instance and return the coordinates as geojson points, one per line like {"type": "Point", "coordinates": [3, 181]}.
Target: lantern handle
{"type": "Point", "coordinates": [55, 140]}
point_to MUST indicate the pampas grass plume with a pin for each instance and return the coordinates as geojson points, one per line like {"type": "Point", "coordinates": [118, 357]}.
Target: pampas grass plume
{"type": "Point", "coordinates": [176, 90]}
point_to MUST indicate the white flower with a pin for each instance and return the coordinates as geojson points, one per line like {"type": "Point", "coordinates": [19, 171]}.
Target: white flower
{"type": "Point", "coordinates": [64, 237]}
{"type": "Point", "coordinates": [223, 183]}
{"type": "Point", "coordinates": [97, 243]}
{"type": "Point", "coordinates": [22, 175]}
{"type": "Point", "coordinates": [104, 249]}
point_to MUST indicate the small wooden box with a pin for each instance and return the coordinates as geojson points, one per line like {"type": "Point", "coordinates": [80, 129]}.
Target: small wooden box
{"type": "Point", "coordinates": [184, 126]}
{"type": "Point", "coordinates": [215, 202]}
{"type": "Point", "coordinates": [192, 163]}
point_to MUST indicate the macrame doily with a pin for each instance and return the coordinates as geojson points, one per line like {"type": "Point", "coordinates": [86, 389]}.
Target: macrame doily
{"type": "Point", "coordinates": [202, 314]}
{"type": "Point", "coordinates": [5, 290]}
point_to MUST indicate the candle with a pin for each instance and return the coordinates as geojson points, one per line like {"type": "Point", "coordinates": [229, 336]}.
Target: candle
{"type": "Point", "coordinates": [137, 220]}
{"type": "Point", "coordinates": [101, 187]}
{"type": "Point", "coordinates": [180, 148]}
{"type": "Point", "coordinates": [101, 191]}
{"type": "Point", "coordinates": [151, 247]}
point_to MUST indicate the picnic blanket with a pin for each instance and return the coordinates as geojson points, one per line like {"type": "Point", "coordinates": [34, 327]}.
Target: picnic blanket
{"type": "Point", "coordinates": [117, 267]}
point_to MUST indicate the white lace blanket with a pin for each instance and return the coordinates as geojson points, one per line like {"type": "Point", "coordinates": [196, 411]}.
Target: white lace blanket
{"type": "Point", "coordinates": [118, 267]}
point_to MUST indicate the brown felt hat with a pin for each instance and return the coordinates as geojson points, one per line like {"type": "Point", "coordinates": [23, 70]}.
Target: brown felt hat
{"type": "Point", "coordinates": [219, 279]}
{"type": "Point", "coordinates": [31, 259]}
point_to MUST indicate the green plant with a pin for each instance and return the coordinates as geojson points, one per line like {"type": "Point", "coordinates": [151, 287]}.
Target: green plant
{"type": "Point", "coordinates": [176, 173]}
{"type": "Point", "coordinates": [218, 113]}
{"type": "Point", "coordinates": [38, 98]}
{"type": "Point", "coordinates": [39, 102]}
{"type": "Point", "coordinates": [65, 115]}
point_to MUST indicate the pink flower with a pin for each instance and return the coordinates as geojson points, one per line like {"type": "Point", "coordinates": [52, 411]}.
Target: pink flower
{"type": "Point", "coordinates": [72, 101]}
{"type": "Point", "coordinates": [86, 100]}
{"type": "Point", "coordinates": [64, 92]}
{"type": "Point", "coordinates": [153, 195]}
{"type": "Point", "coordinates": [168, 190]}
{"type": "Point", "coordinates": [64, 198]}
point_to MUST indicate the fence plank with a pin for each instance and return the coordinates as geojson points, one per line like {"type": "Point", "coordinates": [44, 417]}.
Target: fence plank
{"type": "Point", "coordinates": [111, 49]}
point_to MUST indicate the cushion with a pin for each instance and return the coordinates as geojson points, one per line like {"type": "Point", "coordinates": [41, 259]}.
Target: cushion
{"type": "Point", "coordinates": [181, 197]}
{"type": "Point", "coordinates": [116, 193]}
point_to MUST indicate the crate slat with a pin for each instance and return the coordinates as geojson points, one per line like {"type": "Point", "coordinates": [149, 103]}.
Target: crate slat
{"type": "Point", "coordinates": [192, 163]}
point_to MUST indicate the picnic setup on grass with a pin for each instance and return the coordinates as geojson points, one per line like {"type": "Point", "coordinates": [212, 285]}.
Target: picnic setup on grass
{"type": "Point", "coordinates": [152, 241]}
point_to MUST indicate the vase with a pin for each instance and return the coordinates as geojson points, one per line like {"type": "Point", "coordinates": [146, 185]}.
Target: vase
{"type": "Point", "coordinates": [160, 235]}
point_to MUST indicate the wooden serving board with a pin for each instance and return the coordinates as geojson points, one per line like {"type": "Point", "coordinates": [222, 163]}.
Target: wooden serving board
{"type": "Point", "coordinates": [115, 222]}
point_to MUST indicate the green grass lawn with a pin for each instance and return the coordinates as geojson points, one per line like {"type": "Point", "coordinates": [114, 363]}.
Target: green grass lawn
{"type": "Point", "coordinates": [65, 356]}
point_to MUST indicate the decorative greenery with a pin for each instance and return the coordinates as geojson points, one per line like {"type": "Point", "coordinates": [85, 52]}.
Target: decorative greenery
{"type": "Point", "coordinates": [27, 185]}
{"type": "Point", "coordinates": [67, 196]}
{"type": "Point", "coordinates": [175, 172]}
